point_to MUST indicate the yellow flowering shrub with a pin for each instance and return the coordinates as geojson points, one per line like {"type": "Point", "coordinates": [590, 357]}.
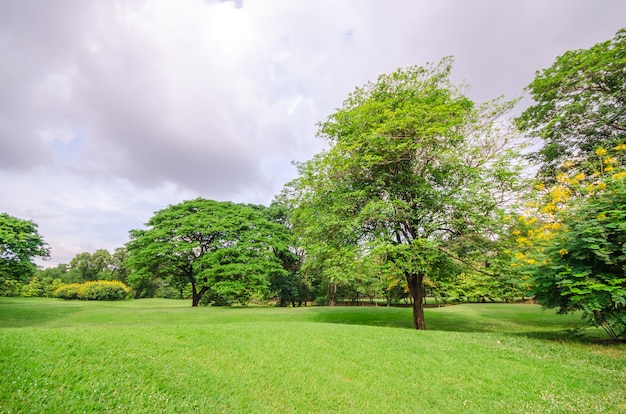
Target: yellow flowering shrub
{"type": "Point", "coordinates": [95, 290]}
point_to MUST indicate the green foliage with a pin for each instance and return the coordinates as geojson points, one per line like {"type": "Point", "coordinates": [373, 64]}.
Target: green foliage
{"type": "Point", "coordinates": [34, 289]}
{"type": "Point", "coordinates": [225, 250]}
{"type": "Point", "coordinates": [10, 287]}
{"type": "Point", "coordinates": [571, 241]}
{"type": "Point", "coordinates": [50, 286]}
{"type": "Point", "coordinates": [579, 104]}
{"type": "Point", "coordinates": [580, 259]}
{"type": "Point", "coordinates": [414, 165]}
{"type": "Point", "coordinates": [20, 243]}
{"type": "Point", "coordinates": [96, 266]}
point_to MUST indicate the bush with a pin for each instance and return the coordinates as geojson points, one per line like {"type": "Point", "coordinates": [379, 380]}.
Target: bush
{"type": "Point", "coordinates": [104, 290]}
{"type": "Point", "coordinates": [69, 291]}
{"type": "Point", "coordinates": [50, 286]}
{"type": "Point", "coordinates": [95, 290]}
{"type": "Point", "coordinates": [34, 289]}
{"type": "Point", "coordinates": [10, 288]}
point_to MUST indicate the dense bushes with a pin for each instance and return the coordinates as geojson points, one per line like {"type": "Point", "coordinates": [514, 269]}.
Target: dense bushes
{"type": "Point", "coordinates": [95, 290]}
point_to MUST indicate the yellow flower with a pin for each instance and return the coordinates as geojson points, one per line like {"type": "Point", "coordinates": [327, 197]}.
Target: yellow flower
{"type": "Point", "coordinates": [610, 160]}
{"type": "Point", "coordinates": [560, 194]}
{"type": "Point", "coordinates": [601, 216]}
{"type": "Point", "coordinates": [579, 176]}
{"type": "Point", "coordinates": [619, 175]}
{"type": "Point", "coordinates": [562, 178]}
{"type": "Point", "coordinates": [563, 252]}
{"type": "Point", "coordinates": [600, 152]}
{"type": "Point", "coordinates": [609, 169]}
{"type": "Point", "coordinates": [621, 147]}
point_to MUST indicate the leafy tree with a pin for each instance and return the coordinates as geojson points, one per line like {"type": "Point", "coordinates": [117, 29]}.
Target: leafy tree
{"type": "Point", "coordinates": [288, 286]}
{"type": "Point", "coordinates": [222, 249]}
{"type": "Point", "coordinates": [571, 243]}
{"type": "Point", "coordinates": [413, 165]}
{"type": "Point", "coordinates": [118, 266]}
{"type": "Point", "coordinates": [57, 272]}
{"type": "Point", "coordinates": [20, 243]}
{"type": "Point", "coordinates": [34, 289]}
{"type": "Point", "coordinates": [579, 104]}
{"type": "Point", "coordinates": [94, 266]}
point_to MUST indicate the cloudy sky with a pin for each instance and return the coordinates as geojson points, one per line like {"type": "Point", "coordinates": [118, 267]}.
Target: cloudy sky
{"type": "Point", "coordinates": [111, 110]}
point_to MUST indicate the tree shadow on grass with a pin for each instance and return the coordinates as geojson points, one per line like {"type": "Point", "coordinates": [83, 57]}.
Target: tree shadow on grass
{"type": "Point", "coordinates": [542, 326]}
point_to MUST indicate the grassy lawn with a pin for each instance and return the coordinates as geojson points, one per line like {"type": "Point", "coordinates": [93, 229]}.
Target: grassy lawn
{"type": "Point", "coordinates": [163, 356]}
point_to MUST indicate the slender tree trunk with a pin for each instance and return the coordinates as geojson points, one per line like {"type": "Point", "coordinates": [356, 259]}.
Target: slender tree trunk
{"type": "Point", "coordinates": [332, 290]}
{"type": "Point", "coordinates": [416, 287]}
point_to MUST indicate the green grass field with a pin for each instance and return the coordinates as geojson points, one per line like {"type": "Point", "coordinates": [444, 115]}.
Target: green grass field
{"type": "Point", "coordinates": [162, 356]}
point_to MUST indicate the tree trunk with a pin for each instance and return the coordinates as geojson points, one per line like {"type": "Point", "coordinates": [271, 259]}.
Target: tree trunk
{"type": "Point", "coordinates": [416, 287]}
{"type": "Point", "coordinates": [332, 290]}
{"type": "Point", "coordinates": [197, 296]}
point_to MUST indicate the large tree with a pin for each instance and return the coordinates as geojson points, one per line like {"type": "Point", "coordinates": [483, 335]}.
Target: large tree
{"type": "Point", "coordinates": [223, 249]}
{"type": "Point", "coordinates": [20, 243]}
{"type": "Point", "coordinates": [580, 104]}
{"type": "Point", "coordinates": [414, 166]}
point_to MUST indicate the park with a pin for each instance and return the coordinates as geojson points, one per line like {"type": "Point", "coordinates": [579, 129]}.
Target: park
{"type": "Point", "coordinates": [159, 355]}
{"type": "Point", "coordinates": [415, 265]}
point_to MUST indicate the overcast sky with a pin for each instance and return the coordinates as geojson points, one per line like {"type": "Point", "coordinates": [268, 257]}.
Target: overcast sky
{"type": "Point", "coordinates": [112, 110]}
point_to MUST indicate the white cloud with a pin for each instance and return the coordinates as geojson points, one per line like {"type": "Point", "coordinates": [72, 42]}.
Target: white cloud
{"type": "Point", "coordinates": [112, 110]}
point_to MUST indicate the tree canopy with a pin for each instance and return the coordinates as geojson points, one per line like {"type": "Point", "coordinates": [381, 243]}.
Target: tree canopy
{"type": "Point", "coordinates": [225, 250]}
{"type": "Point", "coordinates": [20, 243]}
{"type": "Point", "coordinates": [414, 166]}
{"type": "Point", "coordinates": [570, 239]}
{"type": "Point", "coordinates": [579, 104]}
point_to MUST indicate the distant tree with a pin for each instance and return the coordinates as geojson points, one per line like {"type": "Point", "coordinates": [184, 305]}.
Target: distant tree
{"type": "Point", "coordinates": [287, 287]}
{"type": "Point", "coordinates": [221, 249]}
{"type": "Point", "coordinates": [20, 243]}
{"type": "Point", "coordinates": [580, 104]}
{"type": "Point", "coordinates": [99, 265]}
{"type": "Point", "coordinates": [118, 266]}
{"type": "Point", "coordinates": [57, 272]}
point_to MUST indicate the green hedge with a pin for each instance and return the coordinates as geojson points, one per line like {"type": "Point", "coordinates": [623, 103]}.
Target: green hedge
{"type": "Point", "coordinates": [95, 290]}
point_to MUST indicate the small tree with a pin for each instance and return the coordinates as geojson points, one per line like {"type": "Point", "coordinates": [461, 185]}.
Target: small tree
{"type": "Point", "coordinates": [20, 243]}
{"type": "Point", "coordinates": [572, 249]}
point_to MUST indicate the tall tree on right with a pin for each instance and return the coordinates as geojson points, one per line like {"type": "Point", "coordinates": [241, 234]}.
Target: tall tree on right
{"type": "Point", "coordinates": [571, 242]}
{"type": "Point", "coordinates": [580, 104]}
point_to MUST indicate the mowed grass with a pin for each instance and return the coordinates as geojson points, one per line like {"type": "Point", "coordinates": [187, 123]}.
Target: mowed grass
{"type": "Point", "coordinates": [164, 356]}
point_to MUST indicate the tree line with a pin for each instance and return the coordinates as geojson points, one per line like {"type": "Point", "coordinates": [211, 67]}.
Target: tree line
{"type": "Point", "coordinates": [421, 193]}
